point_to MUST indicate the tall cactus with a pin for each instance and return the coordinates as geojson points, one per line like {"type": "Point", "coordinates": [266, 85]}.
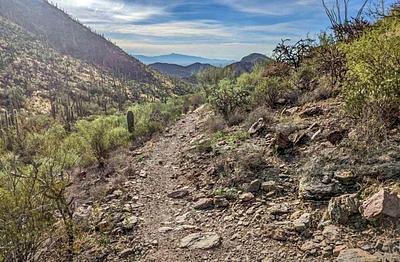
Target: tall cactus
{"type": "Point", "coordinates": [131, 121]}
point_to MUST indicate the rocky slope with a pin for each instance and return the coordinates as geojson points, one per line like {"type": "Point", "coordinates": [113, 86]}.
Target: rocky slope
{"type": "Point", "coordinates": [69, 37]}
{"type": "Point", "coordinates": [299, 187]}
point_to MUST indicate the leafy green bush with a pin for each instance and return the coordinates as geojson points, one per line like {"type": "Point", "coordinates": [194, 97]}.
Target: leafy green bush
{"type": "Point", "coordinates": [228, 98]}
{"type": "Point", "coordinates": [269, 90]}
{"type": "Point", "coordinates": [103, 134]}
{"type": "Point", "coordinates": [373, 77]}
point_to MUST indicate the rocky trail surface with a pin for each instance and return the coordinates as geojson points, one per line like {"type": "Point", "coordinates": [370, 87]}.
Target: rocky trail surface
{"type": "Point", "coordinates": [158, 202]}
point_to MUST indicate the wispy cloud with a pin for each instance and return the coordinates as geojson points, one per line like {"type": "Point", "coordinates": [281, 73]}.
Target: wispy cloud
{"type": "Point", "coordinates": [170, 29]}
{"type": "Point", "coordinates": [110, 11]}
{"type": "Point", "coordinates": [272, 7]}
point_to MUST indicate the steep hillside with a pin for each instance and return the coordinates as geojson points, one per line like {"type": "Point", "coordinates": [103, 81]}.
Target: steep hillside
{"type": "Point", "coordinates": [180, 71]}
{"type": "Point", "coordinates": [69, 37]}
{"type": "Point", "coordinates": [33, 76]}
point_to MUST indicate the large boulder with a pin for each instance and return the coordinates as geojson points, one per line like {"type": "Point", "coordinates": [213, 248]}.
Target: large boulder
{"type": "Point", "coordinates": [381, 203]}
{"type": "Point", "coordinates": [341, 208]}
{"type": "Point", "coordinates": [205, 240]}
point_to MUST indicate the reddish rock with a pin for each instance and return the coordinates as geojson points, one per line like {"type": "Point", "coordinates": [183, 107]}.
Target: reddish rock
{"type": "Point", "coordinates": [204, 203]}
{"type": "Point", "coordinates": [246, 197]}
{"type": "Point", "coordinates": [381, 203]}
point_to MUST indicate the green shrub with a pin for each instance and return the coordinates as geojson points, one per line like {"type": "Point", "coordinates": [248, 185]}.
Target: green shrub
{"type": "Point", "coordinates": [228, 98]}
{"type": "Point", "coordinates": [373, 77]}
{"type": "Point", "coordinates": [269, 90]}
{"type": "Point", "coordinates": [103, 134]}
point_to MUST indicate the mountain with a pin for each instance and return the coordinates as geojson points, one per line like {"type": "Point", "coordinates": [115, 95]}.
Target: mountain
{"type": "Point", "coordinates": [69, 37]}
{"type": "Point", "coordinates": [247, 63]}
{"type": "Point", "coordinates": [183, 60]}
{"type": "Point", "coordinates": [180, 71]}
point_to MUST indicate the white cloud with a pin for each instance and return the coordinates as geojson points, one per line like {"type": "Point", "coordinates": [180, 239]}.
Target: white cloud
{"type": "Point", "coordinates": [197, 28]}
{"type": "Point", "coordinates": [108, 11]}
{"type": "Point", "coordinates": [271, 7]}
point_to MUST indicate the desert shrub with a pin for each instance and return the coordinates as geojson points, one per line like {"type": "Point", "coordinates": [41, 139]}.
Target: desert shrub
{"type": "Point", "coordinates": [260, 112]}
{"type": "Point", "coordinates": [269, 91]}
{"type": "Point", "coordinates": [215, 124]}
{"type": "Point", "coordinates": [329, 59]}
{"type": "Point", "coordinates": [229, 99]}
{"type": "Point", "coordinates": [103, 134]}
{"type": "Point", "coordinates": [153, 117]}
{"type": "Point", "coordinates": [30, 196]}
{"type": "Point", "coordinates": [228, 193]}
{"type": "Point", "coordinates": [373, 64]}
{"type": "Point", "coordinates": [277, 69]}
{"type": "Point", "coordinates": [294, 54]}
{"type": "Point", "coordinates": [306, 77]}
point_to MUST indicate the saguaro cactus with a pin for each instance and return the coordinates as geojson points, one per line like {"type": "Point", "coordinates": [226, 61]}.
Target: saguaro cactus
{"type": "Point", "coordinates": [131, 121]}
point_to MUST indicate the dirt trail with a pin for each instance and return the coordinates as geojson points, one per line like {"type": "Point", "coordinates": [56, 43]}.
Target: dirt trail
{"type": "Point", "coordinates": [165, 221]}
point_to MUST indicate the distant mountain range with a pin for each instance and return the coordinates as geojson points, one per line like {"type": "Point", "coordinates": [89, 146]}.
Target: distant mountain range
{"type": "Point", "coordinates": [246, 64]}
{"type": "Point", "coordinates": [178, 70]}
{"type": "Point", "coordinates": [183, 60]}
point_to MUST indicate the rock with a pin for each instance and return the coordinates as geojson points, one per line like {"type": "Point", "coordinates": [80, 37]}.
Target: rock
{"type": "Point", "coordinates": [281, 142]}
{"type": "Point", "coordinates": [164, 229]}
{"type": "Point", "coordinates": [179, 193]}
{"type": "Point", "coordinates": [309, 245]}
{"type": "Point", "coordinates": [381, 203]}
{"type": "Point", "coordinates": [204, 203]}
{"type": "Point", "coordinates": [205, 240]}
{"type": "Point", "coordinates": [279, 209]}
{"type": "Point", "coordinates": [246, 197]}
{"type": "Point", "coordinates": [254, 186]}
{"type": "Point", "coordinates": [331, 232]}
{"type": "Point", "coordinates": [129, 222]}
{"type": "Point", "coordinates": [127, 252]}
{"type": "Point", "coordinates": [311, 111]}
{"type": "Point", "coordinates": [257, 127]}
{"type": "Point", "coordinates": [302, 223]}
{"type": "Point", "coordinates": [220, 202]}
{"type": "Point", "coordinates": [341, 208]}
{"type": "Point", "coordinates": [356, 255]}
{"type": "Point", "coordinates": [345, 177]}
{"type": "Point", "coordinates": [277, 234]}
{"type": "Point", "coordinates": [336, 137]}
{"type": "Point", "coordinates": [338, 249]}
{"type": "Point", "coordinates": [269, 186]}
{"type": "Point", "coordinates": [311, 188]}
{"type": "Point", "coordinates": [301, 138]}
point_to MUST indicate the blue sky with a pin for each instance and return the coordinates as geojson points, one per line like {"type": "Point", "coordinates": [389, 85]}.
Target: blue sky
{"type": "Point", "coordinates": [227, 29]}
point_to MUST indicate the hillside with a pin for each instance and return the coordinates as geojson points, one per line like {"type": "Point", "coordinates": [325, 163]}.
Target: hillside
{"type": "Point", "coordinates": [246, 64]}
{"type": "Point", "coordinates": [34, 75]}
{"type": "Point", "coordinates": [183, 60]}
{"type": "Point", "coordinates": [180, 71]}
{"type": "Point", "coordinates": [69, 37]}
